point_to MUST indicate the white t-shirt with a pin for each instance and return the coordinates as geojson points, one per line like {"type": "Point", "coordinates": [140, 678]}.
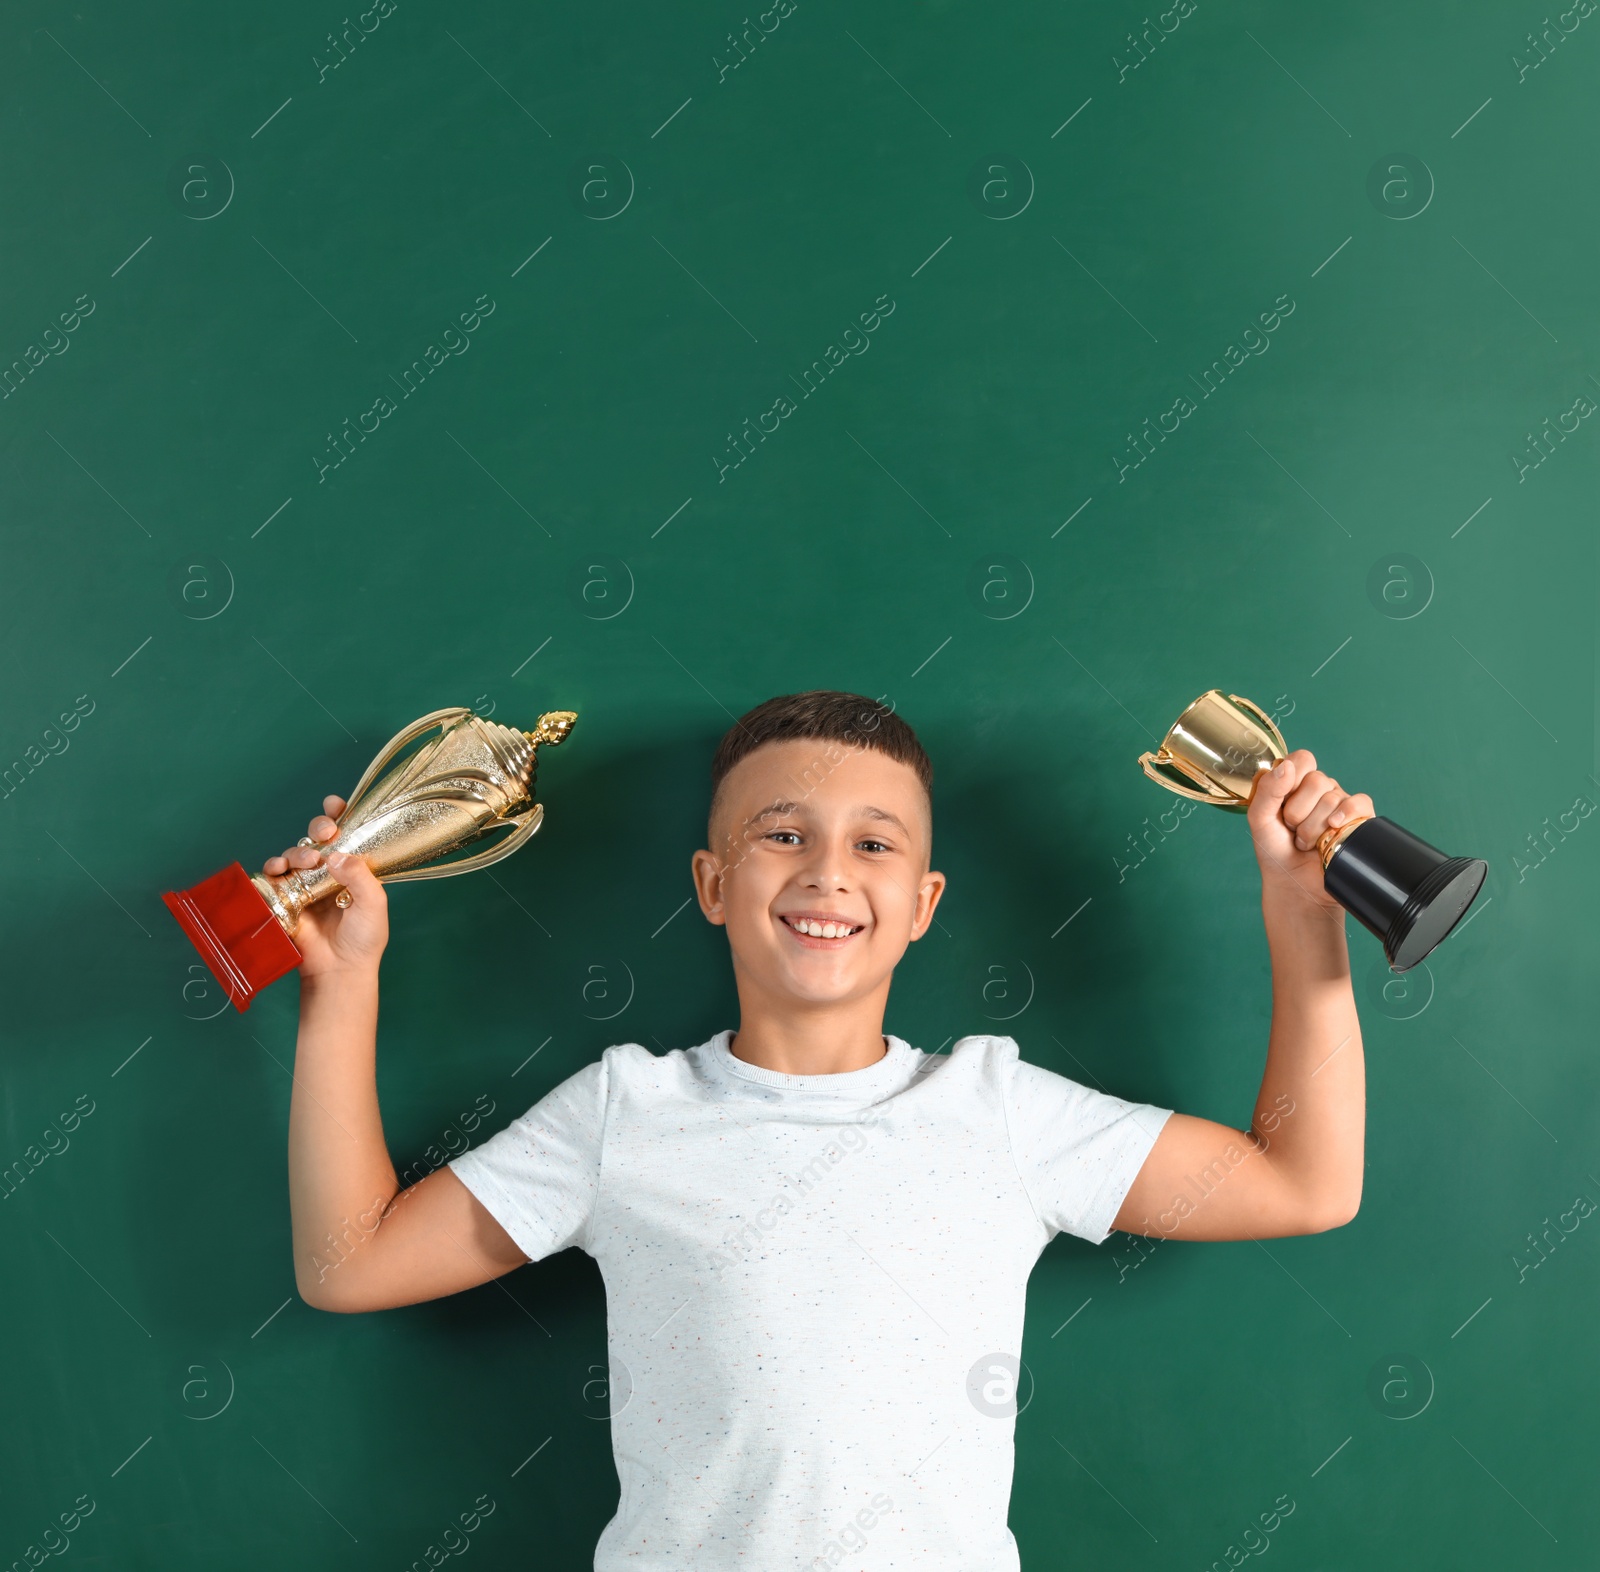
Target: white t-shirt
{"type": "Point", "coordinates": [814, 1288]}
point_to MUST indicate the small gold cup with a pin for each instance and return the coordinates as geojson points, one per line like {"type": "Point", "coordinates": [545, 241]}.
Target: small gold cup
{"type": "Point", "coordinates": [1397, 886]}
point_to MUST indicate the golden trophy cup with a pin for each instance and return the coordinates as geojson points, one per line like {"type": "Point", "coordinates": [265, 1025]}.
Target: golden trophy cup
{"type": "Point", "coordinates": [1396, 886]}
{"type": "Point", "coordinates": [474, 780]}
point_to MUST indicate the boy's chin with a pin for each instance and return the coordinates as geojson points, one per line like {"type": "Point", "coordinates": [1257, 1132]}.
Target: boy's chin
{"type": "Point", "coordinates": [823, 994]}
{"type": "Point", "coordinates": [819, 987]}
{"type": "Point", "coordinates": [811, 978]}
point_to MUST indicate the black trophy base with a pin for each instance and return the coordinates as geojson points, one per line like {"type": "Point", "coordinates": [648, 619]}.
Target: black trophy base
{"type": "Point", "coordinates": [1402, 889]}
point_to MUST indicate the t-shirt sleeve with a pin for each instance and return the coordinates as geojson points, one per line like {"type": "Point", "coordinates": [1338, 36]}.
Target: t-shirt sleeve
{"type": "Point", "coordinates": [539, 1177]}
{"type": "Point", "coordinates": [1077, 1150]}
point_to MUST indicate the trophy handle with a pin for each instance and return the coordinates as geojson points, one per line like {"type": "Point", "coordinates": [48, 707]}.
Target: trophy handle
{"type": "Point", "coordinates": [1215, 795]}
{"type": "Point", "coordinates": [1264, 718]}
{"type": "Point", "coordinates": [395, 744]}
{"type": "Point", "coordinates": [521, 828]}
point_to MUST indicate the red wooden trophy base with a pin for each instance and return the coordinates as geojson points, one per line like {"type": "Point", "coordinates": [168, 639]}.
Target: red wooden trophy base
{"type": "Point", "coordinates": [235, 932]}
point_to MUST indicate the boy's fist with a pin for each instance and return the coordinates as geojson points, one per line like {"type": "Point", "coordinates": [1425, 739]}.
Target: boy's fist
{"type": "Point", "coordinates": [331, 938]}
{"type": "Point", "coordinates": [1293, 804]}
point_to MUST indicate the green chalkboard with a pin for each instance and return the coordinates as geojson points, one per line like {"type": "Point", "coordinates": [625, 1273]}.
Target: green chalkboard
{"type": "Point", "coordinates": [1033, 367]}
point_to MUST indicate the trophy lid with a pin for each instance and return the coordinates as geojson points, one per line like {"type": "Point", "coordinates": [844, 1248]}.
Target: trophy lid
{"type": "Point", "coordinates": [554, 728]}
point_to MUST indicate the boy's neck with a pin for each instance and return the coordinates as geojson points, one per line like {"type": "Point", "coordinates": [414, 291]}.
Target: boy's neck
{"type": "Point", "coordinates": [820, 1040]}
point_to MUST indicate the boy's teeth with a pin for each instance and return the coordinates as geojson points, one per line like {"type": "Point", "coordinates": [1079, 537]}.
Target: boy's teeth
{"type": "Point", "coordinates": [821, 930]}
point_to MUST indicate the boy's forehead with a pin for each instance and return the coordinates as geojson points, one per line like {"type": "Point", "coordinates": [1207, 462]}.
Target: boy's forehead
{"type": "Point", "coordinates": [811, 768]}
{"type": "Point", "coordinates": [797, 775]}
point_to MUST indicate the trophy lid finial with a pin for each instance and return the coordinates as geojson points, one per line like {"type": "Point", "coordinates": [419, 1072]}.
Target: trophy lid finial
{"type": "Point", "coordinates": [554, 728]}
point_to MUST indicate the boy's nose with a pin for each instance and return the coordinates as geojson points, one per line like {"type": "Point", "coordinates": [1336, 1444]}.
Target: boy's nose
{"type": "Point", "coordinates": [826, 868]}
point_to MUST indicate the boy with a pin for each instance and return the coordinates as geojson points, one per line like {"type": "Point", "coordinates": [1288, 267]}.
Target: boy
{"type": "Point", "coordinates": [816, 1239]}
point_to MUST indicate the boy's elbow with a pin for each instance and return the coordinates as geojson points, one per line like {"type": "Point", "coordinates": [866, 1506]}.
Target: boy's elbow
{"type": "Point", "coordinates": [310, 1294]}
{"type": "Point", "coordinates": [317, 1293]}
{"type": "Point", "coordinates": [1334, 1213]}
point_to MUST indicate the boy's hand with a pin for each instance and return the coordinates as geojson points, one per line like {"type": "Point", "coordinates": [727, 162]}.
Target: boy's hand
{"type": "Point", "coordinates": [1293, 804]}
{"type": "Point", "coordinates": [331, 939]}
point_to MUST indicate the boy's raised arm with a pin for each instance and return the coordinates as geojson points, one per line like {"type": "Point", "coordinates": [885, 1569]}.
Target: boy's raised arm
{"type": "Point", "coordinates": [1298, 1168]}
{"type": "Point", "coordinates": [360, 1243]}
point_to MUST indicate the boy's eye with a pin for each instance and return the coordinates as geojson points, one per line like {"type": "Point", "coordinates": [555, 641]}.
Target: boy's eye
{"type": "Point", "coordinates": [792, 838]}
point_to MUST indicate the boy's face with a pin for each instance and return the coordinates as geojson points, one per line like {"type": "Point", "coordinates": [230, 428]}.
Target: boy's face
{"type": "Point", "coordinates": [812, 833]}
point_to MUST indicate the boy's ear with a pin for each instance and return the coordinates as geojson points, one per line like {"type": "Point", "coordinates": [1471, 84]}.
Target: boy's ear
{"type": "Point", "coordinates": [706, 868]}
{"type": "Point", "coordinates": [929, 890]}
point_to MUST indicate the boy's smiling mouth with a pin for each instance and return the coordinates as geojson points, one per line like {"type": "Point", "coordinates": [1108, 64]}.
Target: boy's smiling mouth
{"type": "Point", "coordinates": [820, 929]}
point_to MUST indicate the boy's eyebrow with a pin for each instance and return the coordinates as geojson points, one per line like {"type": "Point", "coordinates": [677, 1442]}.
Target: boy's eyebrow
{"type": "Point", "coordinates": [879, 813]}
{"type": "Point", "coordinates": [783, 806]}
{"type": "Point", "coordinates": [778, 808]}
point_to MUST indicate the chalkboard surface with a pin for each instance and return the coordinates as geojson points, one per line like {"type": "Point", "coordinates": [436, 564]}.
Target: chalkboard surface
{"type": "Point", "coordinates": [1035, 368]}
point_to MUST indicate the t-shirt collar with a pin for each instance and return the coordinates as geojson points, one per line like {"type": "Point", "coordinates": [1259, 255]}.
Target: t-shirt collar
{"type": "Point", "coordinates": [892, 1068]}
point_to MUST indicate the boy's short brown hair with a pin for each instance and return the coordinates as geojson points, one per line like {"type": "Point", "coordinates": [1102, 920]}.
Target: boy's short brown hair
{"type": "Point", "coordinates": [822, 715]}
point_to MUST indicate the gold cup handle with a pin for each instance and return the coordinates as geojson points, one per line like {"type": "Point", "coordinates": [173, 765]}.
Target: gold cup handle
{"type": "Point", "coordinates": [1265, 719]}
{"type": "Point", "coordinates": [396, 743]}
{"type": "Point", "coordinates": [522, 827]}
{"type": "Point", "coordinates": [1216, 794]}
